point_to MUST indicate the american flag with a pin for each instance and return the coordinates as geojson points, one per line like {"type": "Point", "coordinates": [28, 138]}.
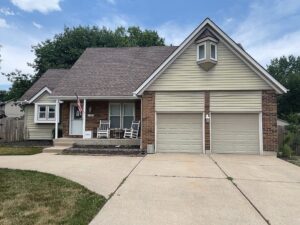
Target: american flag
{"type": "Point", "coordinates": [78, 104]}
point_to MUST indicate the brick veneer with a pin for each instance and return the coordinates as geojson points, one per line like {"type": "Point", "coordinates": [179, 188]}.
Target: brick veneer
{"type": "Point", "coordinates": [207, 125]}
{"type": "Point", "coordinates": [148, 117]}
{"type": "Point", "coordinates": [98, 108]}
{"type": "Point", "coordinates": [269, 118]}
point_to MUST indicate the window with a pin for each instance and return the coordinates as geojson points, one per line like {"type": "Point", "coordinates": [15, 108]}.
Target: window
{"type": "Point", "coordinates": [115, 115]}
{"type": "Point", "coordinates": [128, 114]}
{"type": "Point", "coordinates": [201, 51]}
{"type": "Point", "coordinates": [121, 115]}
{"type": "Point", "coordinates": [45, 113]}
{"type": "Point", "coordinates": [213, 51]}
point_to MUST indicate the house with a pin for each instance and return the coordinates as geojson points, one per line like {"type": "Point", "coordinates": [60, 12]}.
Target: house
{"type": "Point", "coordinates": [206, 95]}
{"type": "Point", "coordinates": [10, 109]}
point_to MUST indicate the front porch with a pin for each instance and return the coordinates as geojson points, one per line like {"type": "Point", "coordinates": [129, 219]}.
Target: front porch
{"type": "Point", "coordinates": [74, 124]}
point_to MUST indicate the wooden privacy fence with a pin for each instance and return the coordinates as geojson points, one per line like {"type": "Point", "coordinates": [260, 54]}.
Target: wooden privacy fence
{"type": "Point", "coordinates": [12, 129]}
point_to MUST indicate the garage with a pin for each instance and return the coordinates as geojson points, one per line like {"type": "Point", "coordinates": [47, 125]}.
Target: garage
{"type": "Point", "coordinates": [179, 132]}
{"type": "Point", "coordinates": [235, 133]}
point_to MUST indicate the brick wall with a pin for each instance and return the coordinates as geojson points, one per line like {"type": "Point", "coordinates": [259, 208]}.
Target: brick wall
{"type": "Point", "coordinates": [65, 112]}
{"type": "Point", "coordinates": [207, 125]}
{"type": "Point", "coordinates": [100, 111]}
{"type": "Point", "coordinates": [269, 117]}
{"type": "Point", "coordinates": [148, 119]}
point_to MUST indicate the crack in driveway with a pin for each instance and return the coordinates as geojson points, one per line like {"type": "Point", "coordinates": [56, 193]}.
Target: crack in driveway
{"type": "Point", "coordinates": [237, 187]}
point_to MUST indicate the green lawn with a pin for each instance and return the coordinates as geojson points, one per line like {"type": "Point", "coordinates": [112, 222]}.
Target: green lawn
{"type": "Point", "coordinates": [29, 197]}
{"type": "Point", "coordinates": [7, 150]}
{"type": "Point", "coordinates": [295, 160]}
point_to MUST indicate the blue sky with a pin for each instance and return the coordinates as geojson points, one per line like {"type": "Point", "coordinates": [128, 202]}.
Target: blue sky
{"type": "Point", "coordinates": [266, 28]}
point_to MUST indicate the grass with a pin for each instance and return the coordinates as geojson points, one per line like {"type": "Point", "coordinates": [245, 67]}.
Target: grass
{"type": "Point", "coordinates": [7, 150]}
{"type": "Point", "coordinates": [29, 197]}
{"type": "Point", "coordinates": [294, 159]}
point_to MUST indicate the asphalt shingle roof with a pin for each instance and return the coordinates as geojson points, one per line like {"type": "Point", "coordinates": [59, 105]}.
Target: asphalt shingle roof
{"type": "Point", "coordinates": [49, 79]}
{"type": "Point", "coordinates": [111, 71]}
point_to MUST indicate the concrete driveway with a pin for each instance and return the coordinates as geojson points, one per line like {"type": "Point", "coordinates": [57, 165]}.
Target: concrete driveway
{"type": "Point", "coordinates": [185, 189]}
{"type": "Point", "coordinates": [191, 189]}
{"type": "Point", "coordinates": [101, 174]}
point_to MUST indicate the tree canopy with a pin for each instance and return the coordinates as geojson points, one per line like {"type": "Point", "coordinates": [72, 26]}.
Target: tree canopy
{"type": "Point", "coordinates": [287, 71]}
{"type": "Point", "coordinates": [65, 48]}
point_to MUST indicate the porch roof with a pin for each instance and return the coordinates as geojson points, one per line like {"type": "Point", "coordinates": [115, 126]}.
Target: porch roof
{"type": "Point", "coordinates": [111, 72]}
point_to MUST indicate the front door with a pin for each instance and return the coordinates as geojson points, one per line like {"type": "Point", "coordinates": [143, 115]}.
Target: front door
{"type": "Point", "coordinates": [75, 120]}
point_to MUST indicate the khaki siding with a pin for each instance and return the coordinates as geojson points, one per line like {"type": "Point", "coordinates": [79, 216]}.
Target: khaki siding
{"type": "Point", "coordinates": [44, 98]}
{"type": "Point", "coordinates": [36, 131]}
{"type": "Point", "coordinates": [235, 101]}
{"type": "Point", "coordinates": [230, 73]}
{"type": "Point", "coordinates": [179, 101]}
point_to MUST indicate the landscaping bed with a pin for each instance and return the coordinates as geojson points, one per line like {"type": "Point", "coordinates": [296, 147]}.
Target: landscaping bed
{"type": "Point", "coordinates": [29, 197]}
{"type": "Point", "coordinates": [294, 159]}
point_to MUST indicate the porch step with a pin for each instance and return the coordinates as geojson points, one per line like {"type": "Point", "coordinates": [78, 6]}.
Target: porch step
{"type": "Point", "coordinates": [55, 149]}
{"type": "Point", "coordinates": [64, 142]}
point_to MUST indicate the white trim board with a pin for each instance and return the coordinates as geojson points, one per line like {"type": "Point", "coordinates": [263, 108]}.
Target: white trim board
{"type": "Point", "coordinates": [236, 48]}
{"type": "Point", "coordinates": [39, 94]}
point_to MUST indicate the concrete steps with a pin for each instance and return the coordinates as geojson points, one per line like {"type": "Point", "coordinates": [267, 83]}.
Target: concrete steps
{"type": "Point", "coordinates": [60, 144]}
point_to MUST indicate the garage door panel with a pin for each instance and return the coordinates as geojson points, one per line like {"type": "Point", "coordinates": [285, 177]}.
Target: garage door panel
{"type": "Point", "coordinates": [179, 132]}
{"type": "Point", "coordinates": [235, 133]}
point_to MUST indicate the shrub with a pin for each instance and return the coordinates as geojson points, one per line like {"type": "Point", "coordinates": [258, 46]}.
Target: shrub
{"type": "Point", "coordinates": [286, 151]}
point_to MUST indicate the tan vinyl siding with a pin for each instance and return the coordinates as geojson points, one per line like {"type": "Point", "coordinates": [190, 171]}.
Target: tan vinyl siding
{"type": "Point", "coordinates": [235, 101]}
{"type": "Point", "coordinates": [230, 73]}
{"type": "Point", "coordinates": [44, 98]}
{"type": "Point", "coordinates": [179, 101]}
{"type": "Point", "coordinates": [36, 131]}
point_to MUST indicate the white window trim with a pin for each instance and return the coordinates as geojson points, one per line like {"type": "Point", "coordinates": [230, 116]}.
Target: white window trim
{"type": "Point", "coordinates": [36, 119]}
{"type": "Point", "coordinates": [121, 111]}
{"type": "Point", "coordinates": [216, 53]}
{"type": "Point", "coordinates": [198, 58]}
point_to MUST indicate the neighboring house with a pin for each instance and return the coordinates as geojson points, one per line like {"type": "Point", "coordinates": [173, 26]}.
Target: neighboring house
{"type": "Point", "coordinates": [10, 109]}
{"type": "Point", "coordinates": [207, 94]}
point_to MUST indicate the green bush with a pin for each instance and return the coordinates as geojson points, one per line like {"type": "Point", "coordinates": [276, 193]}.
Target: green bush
{"type": "Point", "coordinates": [286, 151]}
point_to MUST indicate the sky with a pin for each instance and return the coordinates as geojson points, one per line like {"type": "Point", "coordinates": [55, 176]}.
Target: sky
{"type": "Point", "coordinates": [266, 28]}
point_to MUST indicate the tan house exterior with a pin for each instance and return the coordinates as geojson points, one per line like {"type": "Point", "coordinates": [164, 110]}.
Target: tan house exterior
{"type": "Point", "coordinates": [205, 96]}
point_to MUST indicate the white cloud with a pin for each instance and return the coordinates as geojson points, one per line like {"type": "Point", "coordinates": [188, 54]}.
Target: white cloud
{"type": "Point", "coordinates": [113, 21]}
{"type": "Point", "coordinates": [113, 2]}
{"type": "Point", "coordinates": [43, 6]}
{"type": "Point", "coordinates": [267, 30]}
{"type": "Point", "coordinates": [3, 23]}
{"type": "Point", "coordinates": [173, 33]}
{"type": "Point", "coordinates": [7, 12]}
{"type": "Point", "coordinates": [37, 25]}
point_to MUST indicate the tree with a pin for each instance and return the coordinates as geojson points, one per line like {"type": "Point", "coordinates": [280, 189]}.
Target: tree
{"type": "Point", "coordinates": [287, 71]}
{"type": "Point", "coordinates": [65, 48]}
{"type": "Point", "coordinates": [21, 82]}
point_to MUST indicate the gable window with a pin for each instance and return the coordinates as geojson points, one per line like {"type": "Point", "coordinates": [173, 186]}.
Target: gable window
{"type": "Point", "coordinates": [121, 115]}
{"type": "Point", "coordinates": [201, 51]}
{"type": "Point", "coordinates": [213, 51]}
{"type": "Point", "coordinates": [44, 113]}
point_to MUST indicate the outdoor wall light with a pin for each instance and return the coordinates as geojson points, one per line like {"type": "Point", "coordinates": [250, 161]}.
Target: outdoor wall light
{"type": "Point", "coordinates": [207, 118]}
{"type": "Point", "coordinates": [90, 109]}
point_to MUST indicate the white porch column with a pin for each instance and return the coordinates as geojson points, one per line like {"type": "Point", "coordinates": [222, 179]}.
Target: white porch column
{"type": "Point", "coordinates": [56, 117]}
{"type": "Point", "coordinates": [83, 116]}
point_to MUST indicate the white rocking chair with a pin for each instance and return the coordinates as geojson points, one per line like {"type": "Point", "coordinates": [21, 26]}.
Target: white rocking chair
{"type": "Point", "coordinates": [103, 129]}
{"type": "Point", "coordinates": [133, 132]}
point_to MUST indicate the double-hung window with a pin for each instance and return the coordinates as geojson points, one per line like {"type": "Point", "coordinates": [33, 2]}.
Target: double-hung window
{"type": "Point", "coordinates": [121, 115]}
{"type": "Point", "coordinates": [45, 113]}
